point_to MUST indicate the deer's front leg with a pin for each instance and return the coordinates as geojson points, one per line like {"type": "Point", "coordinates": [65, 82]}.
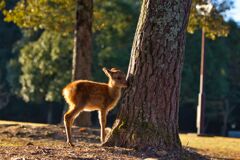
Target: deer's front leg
{"type": "Point", "coordinates": [102, 115]}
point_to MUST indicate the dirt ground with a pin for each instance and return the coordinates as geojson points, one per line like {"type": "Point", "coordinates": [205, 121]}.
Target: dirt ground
{"type": "Point", "coordinates": [28, 141]}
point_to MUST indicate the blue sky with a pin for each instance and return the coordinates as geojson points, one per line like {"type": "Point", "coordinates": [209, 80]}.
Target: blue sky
{"type": "Point", "coordinates": [234, 13]}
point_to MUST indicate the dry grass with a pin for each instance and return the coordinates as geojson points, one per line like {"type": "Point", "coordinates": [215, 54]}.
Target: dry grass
{"type": "Point", "coordinates": [41, 141]}
{"type": "Point", "coordinates": [214, 146]}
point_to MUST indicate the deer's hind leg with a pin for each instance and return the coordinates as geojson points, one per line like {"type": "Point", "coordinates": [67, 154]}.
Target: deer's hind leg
{"type": "Point", "coordinates": [69, 118]}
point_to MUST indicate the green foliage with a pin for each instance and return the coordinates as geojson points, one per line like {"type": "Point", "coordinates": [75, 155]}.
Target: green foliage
{"type": "Point", "coordinates": [61, 16]}
{"type": "Point", "coordinates": [222, 73]}
{"type": "Point", "coordinates": [112, 45]}
{"type": "Point", "coordinates": [221, 55]}
{"type": "Point", "coordinates": [9, 34]}
{"type": "Point", "coordinates": [114, 27]}
{"type": "Point", "coordinates": [213, 24]}
{"type": "Point", "coordinates": [2, 4]}
{"type": "Point", "coordinates": [44, 67]}
{"type": "Point", "coordinates": [32, 14]}
{"type": "Point", "coordinates": [111, 41]}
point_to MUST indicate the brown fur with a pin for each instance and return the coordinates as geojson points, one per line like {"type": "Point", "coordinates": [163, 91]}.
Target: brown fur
{"type": "Point", "coordinates": [84, 95]}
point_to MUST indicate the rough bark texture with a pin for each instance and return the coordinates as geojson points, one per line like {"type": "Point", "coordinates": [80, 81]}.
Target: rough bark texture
{"type": "Point", "coordinates": [82, 55]}
{"type": "Point", "coordinates": [148, 118]}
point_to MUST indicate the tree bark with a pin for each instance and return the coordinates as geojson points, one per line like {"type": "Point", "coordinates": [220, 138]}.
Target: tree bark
{"type": "Point", "coordinates": [82, 54]}
{"type": "Point", "coordinates": [148, 117]}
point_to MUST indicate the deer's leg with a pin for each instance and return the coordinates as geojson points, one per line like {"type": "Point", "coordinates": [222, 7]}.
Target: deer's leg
{"type": "Point", "coordinates": [69, 118]}
{"type": "Point", "coordinates": [102, 115]}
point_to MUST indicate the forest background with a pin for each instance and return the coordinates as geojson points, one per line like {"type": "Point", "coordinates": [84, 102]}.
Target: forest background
{"type": "Point", "coordinates": [36, 60]}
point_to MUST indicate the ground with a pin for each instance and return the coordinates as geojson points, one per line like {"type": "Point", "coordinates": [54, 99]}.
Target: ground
{"type": "Point", "coordinates": [213, 146]}
{"type": "Point", "coordinates": [27, 141]}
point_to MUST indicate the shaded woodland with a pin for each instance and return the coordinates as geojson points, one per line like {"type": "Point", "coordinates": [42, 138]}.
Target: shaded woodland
{"type": "Point", "coordinates": [36, 62]}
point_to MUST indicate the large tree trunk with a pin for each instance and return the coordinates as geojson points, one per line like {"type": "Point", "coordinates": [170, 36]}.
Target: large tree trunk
{"type": "Point", "coordinates": [149, 110]}
{"type": "Point", "coordinates": [82, 55]}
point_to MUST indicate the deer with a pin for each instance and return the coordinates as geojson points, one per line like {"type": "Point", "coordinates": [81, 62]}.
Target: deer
{"type": "Point", "coordinates": [85, 95]}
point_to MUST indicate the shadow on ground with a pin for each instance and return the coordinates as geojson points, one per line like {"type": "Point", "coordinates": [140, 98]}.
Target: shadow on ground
{"type": "Point", "coordinates": [21, 141]}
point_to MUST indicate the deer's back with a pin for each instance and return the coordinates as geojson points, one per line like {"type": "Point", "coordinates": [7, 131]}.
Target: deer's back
{"type": "Point", "coordinates": [92, 95]}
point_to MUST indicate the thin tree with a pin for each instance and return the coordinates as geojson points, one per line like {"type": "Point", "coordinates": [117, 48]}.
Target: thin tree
{"type": "Point", "coordinates": [149, 110]}
{"type": "Point", "coordinates": [82, 54]}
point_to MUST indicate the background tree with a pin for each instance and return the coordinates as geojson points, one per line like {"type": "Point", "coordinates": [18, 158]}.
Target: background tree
{"type": "Point", "coordinates": [149, 110]}
{"type": "Point", "coordinates": [113, 31]}
{"type": "Point", "coordinates": [24, 16]}
{"type": "Point", "coordinates": [44, 55]}
{"type": "Point", "coordinates": [213, 24]}
{"type": "Point", "coordinates": [82, 54]}
{"type": "Point", "coordinates": [222, 87]}
{"type": "Point", "coordinates": [9, 34]}
{"type": "Point", "coordinates": [39, 62]}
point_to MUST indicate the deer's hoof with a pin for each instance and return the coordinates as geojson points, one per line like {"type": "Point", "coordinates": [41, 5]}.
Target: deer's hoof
{"type": "Point", "coordinates": [70, 144]}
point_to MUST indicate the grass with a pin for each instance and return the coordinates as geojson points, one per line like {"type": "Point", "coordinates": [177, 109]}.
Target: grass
{"type": "Point", "coordinates": [17, 136]}
{"type": "Point", "coordinates": [214, 146]}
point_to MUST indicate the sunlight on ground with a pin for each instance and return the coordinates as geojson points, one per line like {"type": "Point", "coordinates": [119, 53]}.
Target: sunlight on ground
{"type": "Point", "coordinates": [22, 123]}
{"type": "Point", "coordinates": [14, 134]}
{"type": "Point", "coordinates": [213, 145]}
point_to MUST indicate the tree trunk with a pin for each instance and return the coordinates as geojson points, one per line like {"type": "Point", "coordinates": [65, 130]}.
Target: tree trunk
{"type": "Point", "coordinates": [149, 110]}
{"type": "Point", "coordinates": [82, 54]}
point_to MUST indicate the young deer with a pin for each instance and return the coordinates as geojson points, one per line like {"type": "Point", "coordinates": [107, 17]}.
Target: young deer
{"type": "Point", "coordinates": [84, 95]}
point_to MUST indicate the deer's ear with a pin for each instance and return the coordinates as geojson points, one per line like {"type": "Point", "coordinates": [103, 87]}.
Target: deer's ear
{"type": "Point", "coordinates": [106, 71]}
{"type": "Point", "coordinates": [114, 69]}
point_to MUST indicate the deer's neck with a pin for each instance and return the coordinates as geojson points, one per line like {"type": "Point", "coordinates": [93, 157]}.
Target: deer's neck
{"type": "Point", "coordinates": [114, 91]}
